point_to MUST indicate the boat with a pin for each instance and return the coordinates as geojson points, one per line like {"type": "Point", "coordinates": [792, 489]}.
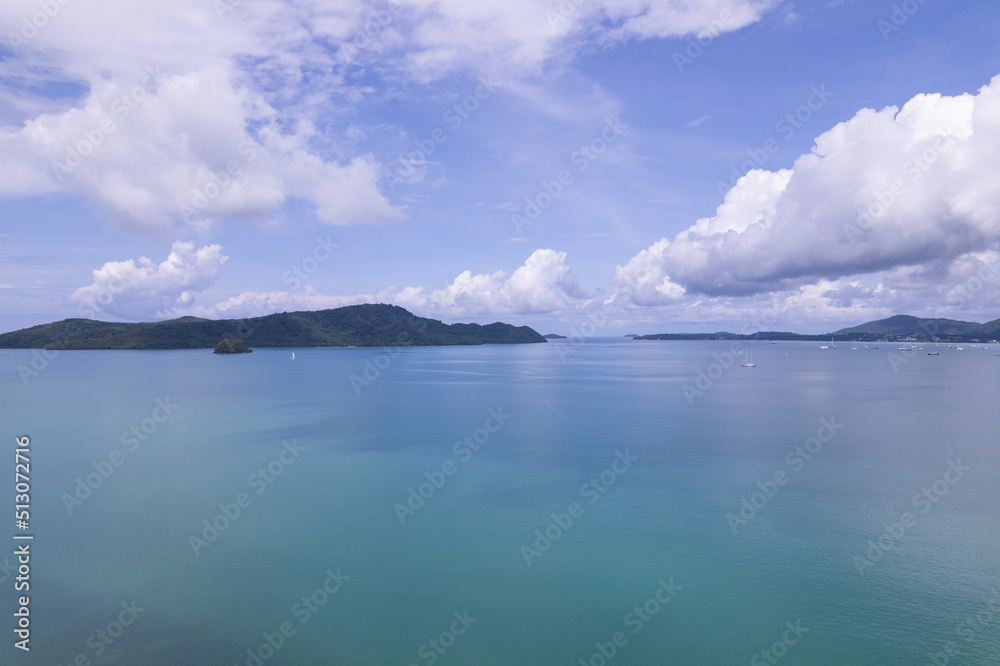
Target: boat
{"type": "Point", "coordinates": [293, 356]}
{"type": "Point", "coordinates": [747, 360]}
{"type": "Point", "coordinates": [905, 348]}
{"type": "Point", "coordinates": [854, 347]}
{"type": "Point", "coordinates": [933, 353]}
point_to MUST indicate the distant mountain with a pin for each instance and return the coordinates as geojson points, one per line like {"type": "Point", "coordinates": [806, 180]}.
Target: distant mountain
{"type": "Point", "coordinates": [725, 335]}
{"type": "Point", "coordinates": [905, 326]}
{"type": "Point", "coordinates": [369, 325]}
{"type": "Point", "coordinates": [554, 336]}
{"type": "Point", "coordinates": [898, 327]}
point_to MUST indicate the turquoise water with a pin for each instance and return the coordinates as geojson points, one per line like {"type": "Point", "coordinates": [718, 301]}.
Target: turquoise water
{"type": "Point", "coordinates": [656, 523]}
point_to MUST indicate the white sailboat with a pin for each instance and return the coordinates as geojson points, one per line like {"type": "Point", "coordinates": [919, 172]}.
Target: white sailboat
{"type": "Point", "coordinates": [293, 356]}
{"type": "Point", "coordinates": [747, 360]}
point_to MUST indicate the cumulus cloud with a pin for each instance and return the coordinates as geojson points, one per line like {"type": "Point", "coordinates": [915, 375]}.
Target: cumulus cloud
{"type": "Point", "coordinates": [193, 111]}
{"type": "Point", "coordinates": [177, 147]}
{"type": "Point", "coordinates": [543, 284]}
{"type": "Point", "coordinates": [146, 290]}
{"type": "Point", "coordinates": [881, 193]}
{"type": "Point", "coordinates": [261, 303]}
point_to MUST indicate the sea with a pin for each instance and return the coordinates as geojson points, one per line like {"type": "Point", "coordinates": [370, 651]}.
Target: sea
{"type": "Point", "coordinates": [596, 502]}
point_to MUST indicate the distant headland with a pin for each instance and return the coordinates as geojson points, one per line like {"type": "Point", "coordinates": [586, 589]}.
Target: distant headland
{"type": "Point", "coordinates": [368, 325]}
{"type": "Point", "coordinates": [894, 329]}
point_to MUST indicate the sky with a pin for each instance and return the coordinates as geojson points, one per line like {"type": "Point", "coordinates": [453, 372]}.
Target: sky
{"type": "Point", "coordinates": [605, 166]}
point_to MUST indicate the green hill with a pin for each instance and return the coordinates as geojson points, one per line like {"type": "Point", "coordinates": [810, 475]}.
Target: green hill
{"type": "Point", "coordinates": [905, 326]}
{"type": "Point", "coordinates": [898, 327]}
{"type": "Point", "coordinates": [369, 325]}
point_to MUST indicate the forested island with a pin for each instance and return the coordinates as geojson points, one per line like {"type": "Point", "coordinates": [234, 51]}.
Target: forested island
{"type": "Point", "coordinates": [230, 346]}
{"type": "Point", "coordinates": [368, 325]}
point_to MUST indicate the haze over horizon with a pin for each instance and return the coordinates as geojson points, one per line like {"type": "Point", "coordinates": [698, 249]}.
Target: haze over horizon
{"type": "Point", "coordinates": [806, 165]}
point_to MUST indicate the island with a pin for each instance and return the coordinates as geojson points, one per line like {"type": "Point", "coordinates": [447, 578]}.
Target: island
{"type": "Point", "coordinates": [898, 328]}
{"type": "Point", "coordinates": [554, 336]}
{"type": "Point", "coordinates": [367, 325]}
{"type": "Point", "coordinates": [230, 346]}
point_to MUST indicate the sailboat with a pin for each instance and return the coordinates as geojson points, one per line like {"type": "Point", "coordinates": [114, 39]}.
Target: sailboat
{"type": "Point", "coordinates": [293, 356]}
{"type": "Point", "coordinates": [747, 360]}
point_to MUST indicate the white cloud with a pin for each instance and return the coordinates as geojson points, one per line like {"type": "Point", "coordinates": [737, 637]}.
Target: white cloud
{"type": "Point", "coordinates": [147, 290]}
{"type": "Point", "coordinates": [258, 304]}
{"type": "Point", "coordinates": [177, 146]}
{"type": "Point", "coordinates": [229, 70]}
{"type": "Point", "coordinates": [543, 284]}
{"type": "Point", "coordinates": [884, 191]}
{"type": "Point", "coordinates": [647, 19]}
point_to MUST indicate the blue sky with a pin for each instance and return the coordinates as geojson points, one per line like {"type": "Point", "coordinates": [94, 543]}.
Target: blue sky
{"type": "Point", "coordinates": [704, 186]}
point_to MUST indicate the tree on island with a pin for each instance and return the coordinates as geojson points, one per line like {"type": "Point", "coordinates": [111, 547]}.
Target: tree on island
{"type": "Point", "coordinates": [230, 346]}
